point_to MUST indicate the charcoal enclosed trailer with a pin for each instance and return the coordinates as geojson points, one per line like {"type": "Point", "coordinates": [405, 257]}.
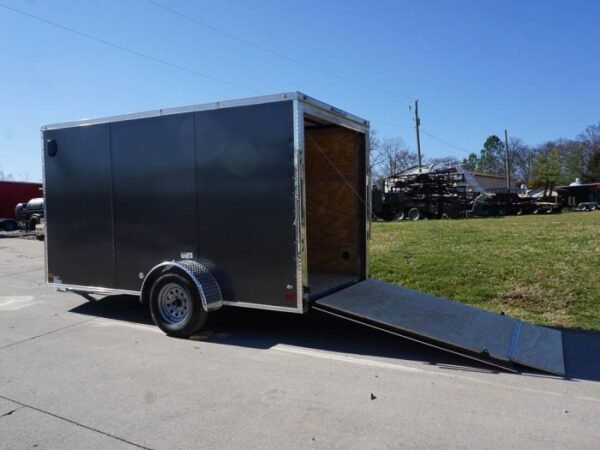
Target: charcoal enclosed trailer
{"type": "Point", "coordinates": [258, 203]}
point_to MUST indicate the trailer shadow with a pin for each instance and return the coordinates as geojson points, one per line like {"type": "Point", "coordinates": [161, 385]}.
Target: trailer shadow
{"type": "Point", "coordinates": [317, 331]}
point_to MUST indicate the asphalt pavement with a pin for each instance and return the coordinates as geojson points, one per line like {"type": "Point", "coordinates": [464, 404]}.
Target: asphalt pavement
{"type": "Point", "coordinates": [79, 374]}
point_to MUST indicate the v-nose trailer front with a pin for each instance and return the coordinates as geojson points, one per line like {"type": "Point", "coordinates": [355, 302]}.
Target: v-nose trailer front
{"type": "Point", "coordinates": [258, 203]}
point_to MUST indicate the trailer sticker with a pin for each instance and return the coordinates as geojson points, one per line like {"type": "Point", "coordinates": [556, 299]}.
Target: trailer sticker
{"type": "Point", "coordinates": [187, 255]}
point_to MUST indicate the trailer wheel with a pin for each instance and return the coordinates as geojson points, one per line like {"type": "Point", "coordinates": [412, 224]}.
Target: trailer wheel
{"type": "Point", "coordinates": [176, 306]}
{"type": "Point", "coordinates": [414, 214]}
{"type": "Point", "coordinates": [400, 216]}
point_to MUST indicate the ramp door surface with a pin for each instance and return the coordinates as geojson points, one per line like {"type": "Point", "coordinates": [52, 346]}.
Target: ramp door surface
{"type": "Point", "coordinates": [474, 332]}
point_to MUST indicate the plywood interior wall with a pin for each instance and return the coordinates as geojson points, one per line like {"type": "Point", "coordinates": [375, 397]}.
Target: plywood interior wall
{"type": "Point", "coordinates": [332, 205]}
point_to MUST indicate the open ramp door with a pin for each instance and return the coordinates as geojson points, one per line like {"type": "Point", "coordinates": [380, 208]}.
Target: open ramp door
{"type": "Point", "coordinates": [472, 332]}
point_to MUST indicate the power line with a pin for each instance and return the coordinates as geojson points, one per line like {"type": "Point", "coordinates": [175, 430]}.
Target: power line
{"type": "Point", "coordinates": [296, 61]}
{"type": "Point", "coordinates": [208, 76]}
{"type": "Point", "coordinates": [128, 50]}
{"type": "Point", "coordinates": [441, 141]}
{"type": "Point", "coordinates": [435, 138]}
{"type": "Point", "coordinates": [275, 53]}
{"type": "Point", "coordinates": [446, 117]}
{"type": "Point", "coordinates": [392, 124]}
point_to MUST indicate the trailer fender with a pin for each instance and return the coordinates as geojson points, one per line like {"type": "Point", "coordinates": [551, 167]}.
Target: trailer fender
{"type": "Point", "coordinates": [198, 271]}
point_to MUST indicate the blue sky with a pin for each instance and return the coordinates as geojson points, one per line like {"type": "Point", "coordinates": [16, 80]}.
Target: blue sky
{"type": "Point", "coordinates": [477, 67]}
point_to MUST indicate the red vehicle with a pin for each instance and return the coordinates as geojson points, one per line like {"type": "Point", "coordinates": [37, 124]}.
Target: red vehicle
{"type": "Point", "coordinates": [12, 193]}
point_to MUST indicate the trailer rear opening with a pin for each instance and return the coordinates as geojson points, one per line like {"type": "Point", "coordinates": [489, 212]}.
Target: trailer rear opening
{"type": "Point", "coordinates": [335, 206]}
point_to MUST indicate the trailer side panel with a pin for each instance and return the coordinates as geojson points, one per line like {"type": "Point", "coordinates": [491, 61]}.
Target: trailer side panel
{"type": "Point", "coordinates": [245, 198]}
{"type": "Point", "coordinates": [154, 198]}
{"type": "Point", "coordinates": [78, 204]}
{"type": "Point", "coordinates": [216, 185]}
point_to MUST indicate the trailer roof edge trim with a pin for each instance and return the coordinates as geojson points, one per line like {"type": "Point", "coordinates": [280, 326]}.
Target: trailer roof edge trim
{"type": "Point", "coordinates": [212, 106]}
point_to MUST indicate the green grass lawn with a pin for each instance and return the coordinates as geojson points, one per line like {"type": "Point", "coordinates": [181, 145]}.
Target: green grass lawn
{"type": "Point", "coordinates": [544, 269]}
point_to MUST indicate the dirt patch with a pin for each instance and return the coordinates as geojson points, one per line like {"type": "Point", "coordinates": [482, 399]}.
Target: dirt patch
{"type": "Point", "coordinates": [530, 295]}
{"type": "Point", "coordinates": [538, 300]}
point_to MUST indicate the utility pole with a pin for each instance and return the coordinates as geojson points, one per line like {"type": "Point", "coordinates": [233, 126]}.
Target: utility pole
{"type": "Point", "coordinates": [506, 160]}
{"type": "Point", "coordinates": [530, 171]}
{"type": "Point", "coordinates": [417, 124]}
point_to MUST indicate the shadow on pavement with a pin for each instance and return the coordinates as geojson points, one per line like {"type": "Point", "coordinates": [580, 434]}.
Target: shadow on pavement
{"type": "Point", "coordinates": [264, 329]}
{"type": "Point", "coordinates": [117, 307]}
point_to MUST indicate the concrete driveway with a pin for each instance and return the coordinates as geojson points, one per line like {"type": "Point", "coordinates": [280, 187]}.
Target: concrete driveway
{"type": "Point", "coordinates": [79, 374]}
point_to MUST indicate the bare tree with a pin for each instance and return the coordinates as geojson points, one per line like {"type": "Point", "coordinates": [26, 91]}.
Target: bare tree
{"type": "Point", "coordinates": [23, 176]}
{"type": "Point", "coordinates": [5, 176]}
{"type": "Point", "coordinates": [396, 156]}
{"type": "Point", "coordinates": [520, 160]}
{"type": "Point", "coordinates": [375, 155]}
{"type": "Point", "coordinates": [591, 136]}
{"type": "Point", "coordinates": [590, 152]}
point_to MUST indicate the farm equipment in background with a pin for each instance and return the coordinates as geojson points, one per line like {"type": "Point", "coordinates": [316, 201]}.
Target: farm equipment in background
{"type": "Point", "coordinates": [432, 195]}
{"type": "Point", "coordinates": [12, 193]}
{"type": "Point", "coordinates": [30, 214]}
{"type": "Point", "coordinates": [450, 192]}
{"type": "Point", "coordinates": [588, 206]}
{"type": "Point", "coordinates": [548, 200]}
{"type": "Point", "coordinates": [502, 202]}
{"type": "Point", "coordinates": [580, 196]}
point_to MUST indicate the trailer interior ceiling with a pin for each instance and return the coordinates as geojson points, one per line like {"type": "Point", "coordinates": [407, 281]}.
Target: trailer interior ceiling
{"type": "Point", "coordinates": [335, 206]}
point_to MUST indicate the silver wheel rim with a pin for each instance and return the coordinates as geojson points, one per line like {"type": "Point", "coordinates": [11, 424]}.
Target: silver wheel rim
{"type": "Point", "coordinates": [174, 304]}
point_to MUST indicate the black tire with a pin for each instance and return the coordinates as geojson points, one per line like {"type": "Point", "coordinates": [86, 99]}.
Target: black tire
{"type": "Point", "coordinates": [32, 223]}
{"type": "Point", "coordinates": [400, 216]}
{"type": "Point", "coordinates": [414, 214]}
{"type": "Point", "coordinates": [194, 317]}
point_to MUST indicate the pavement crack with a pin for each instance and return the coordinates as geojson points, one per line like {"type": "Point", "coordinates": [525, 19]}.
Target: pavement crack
{"type": "Point", "coordinates": [11, 412]}
{"type": "Point", "coordinates": [12, 344]}
{"type": "Point", "coordinates": [73, 422]}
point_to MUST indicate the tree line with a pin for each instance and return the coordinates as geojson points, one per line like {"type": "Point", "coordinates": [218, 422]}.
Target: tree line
{"type": "Point", "coordinates": [4, 176]}
{"type": "Point", "coordinates": [559, 161]}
